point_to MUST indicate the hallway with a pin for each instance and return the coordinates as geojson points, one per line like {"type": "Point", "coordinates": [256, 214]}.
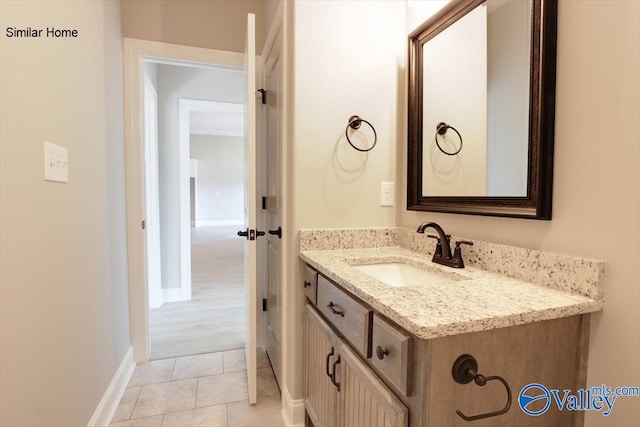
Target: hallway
{"type": "Point", "coordinates": [203, 390]}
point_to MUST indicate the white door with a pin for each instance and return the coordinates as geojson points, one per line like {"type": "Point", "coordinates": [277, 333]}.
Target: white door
{"type": "Point", "coordinates": [251, 209]}
{"type": "Point", "coordinates": [273, 124]}
{"type": "Point", "coordinates": [152, 204]}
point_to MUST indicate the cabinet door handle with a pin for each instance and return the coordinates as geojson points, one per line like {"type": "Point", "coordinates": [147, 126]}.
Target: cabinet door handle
{"type": "Point", "coordinates": [331, 353]}
{"type": "Point", "coordinates": [331, 306]}
{"type": "Point", "coordinates": [333, 374]}
{"type": "Point", "coordinates": [307, 283]}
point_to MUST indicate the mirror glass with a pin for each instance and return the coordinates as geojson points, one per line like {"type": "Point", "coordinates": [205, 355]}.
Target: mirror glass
{"type": "Point", "coordinates": [481, 89]}
{"type": "Point", "coordinates": [481, 109]}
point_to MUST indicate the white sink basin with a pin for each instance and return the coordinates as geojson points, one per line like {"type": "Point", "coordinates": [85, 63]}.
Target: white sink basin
{"type": "Point", "coordinates": [399, 274]}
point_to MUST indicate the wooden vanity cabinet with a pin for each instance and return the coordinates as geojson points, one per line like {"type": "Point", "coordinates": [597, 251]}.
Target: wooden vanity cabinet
{"type": "Point", "coordinates": [310, 283]}
{"type": "Point", "coordinates": [392, 354]}
{"type": "Point", "coordinates": [321, 395]}
{"type": "Point", "coordinates": [347, 384]}
{"type": "Point", "coordinates": [340, 390]}
{"type": "Point", "coordinates": [349, 317]}
{"type": "Point", "coordinates": [551, 352]}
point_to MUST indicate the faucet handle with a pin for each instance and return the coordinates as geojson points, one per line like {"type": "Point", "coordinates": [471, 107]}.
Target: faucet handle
{"type": "Point", "coordinates": [457, 253]}
{"type": "Point", "coordinates": [438, 252]}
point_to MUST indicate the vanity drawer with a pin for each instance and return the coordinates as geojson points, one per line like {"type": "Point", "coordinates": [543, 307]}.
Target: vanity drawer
{"type": "Point", "coordinates": [310, 283]}
{"type": "Point", "coordinates": [351, 318]}
{"type": "Point", "coordinates": [391, 356]}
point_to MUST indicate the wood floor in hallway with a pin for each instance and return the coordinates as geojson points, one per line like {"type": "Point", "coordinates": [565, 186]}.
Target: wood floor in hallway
{"type": "Point", "coordinates": [213, 320]}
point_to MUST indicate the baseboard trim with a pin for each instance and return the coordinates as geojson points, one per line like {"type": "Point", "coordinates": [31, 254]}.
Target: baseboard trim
{"type": "Point", "coordinates": [292, 410]}
{"type": "Point", "coordinates": [111, 399]}
{"type": "Point", "coordinates": [204, 223]}
{"type": "Point", "coordinates": [173, 295]}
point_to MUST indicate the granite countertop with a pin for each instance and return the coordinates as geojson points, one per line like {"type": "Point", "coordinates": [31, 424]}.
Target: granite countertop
{"type": "Point", "coordinates": [467, 300]}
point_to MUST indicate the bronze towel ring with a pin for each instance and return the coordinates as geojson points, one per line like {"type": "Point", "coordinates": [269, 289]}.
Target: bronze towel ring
{"type": "Point", "coordinates": [441, 129]}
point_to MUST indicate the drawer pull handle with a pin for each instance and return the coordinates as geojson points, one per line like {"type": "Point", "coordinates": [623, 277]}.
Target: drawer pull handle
{"type": "Point", "coordinates": [307, 283]}
{"type": "Point", "coordinates": [333, 374]}
{"type": "Point", "coordinates": [331, 306]}
{"type": "Point", "coordinates": [331, 353]}
{"type": "Point", "coordinates": [381, 352]}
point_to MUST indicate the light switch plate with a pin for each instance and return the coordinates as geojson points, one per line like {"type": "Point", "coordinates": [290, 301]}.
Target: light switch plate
{"type": "Point", "coordinates": [56, 163]}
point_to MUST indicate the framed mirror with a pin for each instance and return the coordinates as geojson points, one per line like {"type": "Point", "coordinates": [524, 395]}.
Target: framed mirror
{"type": "Point", "coordinates": [482, 108]}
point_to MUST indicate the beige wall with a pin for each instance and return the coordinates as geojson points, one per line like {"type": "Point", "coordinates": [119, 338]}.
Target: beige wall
{"type": "Point", "coordinates": [64, 300]}
{"type": "Point", "coordinates": [342, 65]}
{"type": "Point", "coordinates": [270, 10]}
{"type": "Point", "coordinates": [351, 69]}
{"type": "Point", "coordinates": [210, 24]}
{"type": "Point", "coordinates": [596, 209]}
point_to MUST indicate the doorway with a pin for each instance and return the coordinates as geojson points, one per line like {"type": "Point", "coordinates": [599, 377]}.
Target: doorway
{"type": "Point", "coordinates": [203, 304]}
{"type": "Point", "coordinates": [200, 185]}
{"type": "Point", "coordinates": [136, 52]}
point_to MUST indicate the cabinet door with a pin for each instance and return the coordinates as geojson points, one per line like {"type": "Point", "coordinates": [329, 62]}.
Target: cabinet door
{"type": "Point", "coordinates": [321, 352]}
{"type": "Point", "coordinates": [547, 353]}
{"type": "Point", "coordinates": [364, 400]}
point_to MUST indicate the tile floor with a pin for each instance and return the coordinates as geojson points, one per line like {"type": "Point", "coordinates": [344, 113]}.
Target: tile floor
{"type": "Point", "coordinates": [202, 390]}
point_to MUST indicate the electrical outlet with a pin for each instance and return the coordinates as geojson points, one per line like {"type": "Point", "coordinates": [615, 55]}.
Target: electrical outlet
{"type": "Point", "coordinates": [386, 194]}
{"type": "Point", "coordinates": [56, 163]}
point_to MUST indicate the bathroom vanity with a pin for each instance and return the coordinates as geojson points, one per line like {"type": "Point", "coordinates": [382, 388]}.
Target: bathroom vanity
{"type": "Point", "coordinates": [382, 352]}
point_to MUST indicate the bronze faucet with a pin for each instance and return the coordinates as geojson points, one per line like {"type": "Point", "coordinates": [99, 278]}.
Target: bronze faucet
{"type": "Point", "coordinates": [442, 254]}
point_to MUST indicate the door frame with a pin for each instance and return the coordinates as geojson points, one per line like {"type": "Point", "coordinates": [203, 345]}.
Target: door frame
{"type": "Point", "coordinates": [293, 410]}
{"type": "Point", "coordinates": [135, 52]}
{"type": "Point", "coordinates": [152, 225]}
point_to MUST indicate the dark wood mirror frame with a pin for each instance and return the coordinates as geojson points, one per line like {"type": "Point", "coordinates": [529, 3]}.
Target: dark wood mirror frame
{"type": "Point", "coordinates": [537, 203]}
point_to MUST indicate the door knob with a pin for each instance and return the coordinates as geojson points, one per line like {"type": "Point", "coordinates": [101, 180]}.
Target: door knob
{"type": "Point", "coordinates": [250, 233]}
